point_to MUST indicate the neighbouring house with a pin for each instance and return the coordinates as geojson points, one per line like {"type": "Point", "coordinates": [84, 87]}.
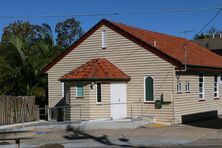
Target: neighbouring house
{"type": "Point", "coordinates": [214, 44]}
{"type": "Point", "coordinates": [118, 71]}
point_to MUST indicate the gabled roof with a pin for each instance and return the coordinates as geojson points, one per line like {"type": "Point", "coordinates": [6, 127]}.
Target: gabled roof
{"type": "Point", "coordinates": [174, 47]}
{"type": "Point", "coordinates": [169, 48]}
{"type": "Point", "coordinates": [96, 69]}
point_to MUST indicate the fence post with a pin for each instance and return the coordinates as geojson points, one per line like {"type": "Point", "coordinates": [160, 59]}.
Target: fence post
{"type": "Point", "coordinates": [49, 116]}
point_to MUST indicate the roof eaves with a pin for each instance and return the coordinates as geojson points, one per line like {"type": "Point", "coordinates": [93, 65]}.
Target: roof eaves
{"type": "Point", "coordinates": [202, 68]}
{"type": "Point", "coordinates": [95, 79]}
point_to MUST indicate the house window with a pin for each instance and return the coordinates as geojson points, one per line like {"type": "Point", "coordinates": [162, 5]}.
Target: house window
{"type": "Point", "coordinates": [79, 89]}
{"type": "Point", "coordinates": [149, 89]}
{"type": "Point", "coordinates": [216, 86]}
{"type": "Point", "coordinates": [63, 90]}
{"type": "Point", "coordinates": [187, 86]}
{"type": "Point", "coordinates": [98, 93]}
{"type": "Point", "coordinates": [104, 39]}
{"type": "Point", "coordinates": [179, 87]}
{"type": "Point", "coordinates": [201, 86]}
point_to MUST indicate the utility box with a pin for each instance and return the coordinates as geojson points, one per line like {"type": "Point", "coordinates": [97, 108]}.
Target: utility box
{"type": "Point", "coordinates": [166, 96]}
{"type": "Point", "coordinates": [158, 104]}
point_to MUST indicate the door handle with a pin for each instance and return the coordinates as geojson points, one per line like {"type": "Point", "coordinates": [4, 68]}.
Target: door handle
{"type": "Point", "coordinates": [119, 100]}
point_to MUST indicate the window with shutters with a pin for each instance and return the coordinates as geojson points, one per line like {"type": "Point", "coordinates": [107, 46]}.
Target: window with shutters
{"type": "Point", "coordinates": [79, 89]}
{"type": "Point", "coordinates": [148, 89]}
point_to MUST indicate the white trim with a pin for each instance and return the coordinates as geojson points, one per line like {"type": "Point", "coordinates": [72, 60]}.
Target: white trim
{"type": "Point", "coordinates": [104, 40]}
{"type": "Point", "coordinates": [144, 89]}
{"type": "Point", "coordinates": [203, 86]}
{"type": "Point", "coordinates": [217, 86]}
{"type": "Point", "coordinates": [220, 79]}
{"type": "Point", "coordinates": [63, 90]}
{"type": "Point", "coordinates": [96, 93]}
{"type": "Point", "coordinates": [187, 85]}
{"type": "Point", "coordinates": [179, 89]}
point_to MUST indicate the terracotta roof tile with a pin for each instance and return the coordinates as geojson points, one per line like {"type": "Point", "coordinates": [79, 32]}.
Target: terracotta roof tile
{"type": "Point", "coordinates": [174, 47]}
{"type": "Point", "coordinates": [97, 69]}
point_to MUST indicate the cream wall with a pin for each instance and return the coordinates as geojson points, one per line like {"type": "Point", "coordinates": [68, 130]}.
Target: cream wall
{"type": "Point", "coordinates": [132, 59]}
{"type": "Point", "coordinates": [188, 103]}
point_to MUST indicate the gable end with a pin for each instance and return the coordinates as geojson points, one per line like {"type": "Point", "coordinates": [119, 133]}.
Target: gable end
{"type": "Point", "coordinates": [127, 35]}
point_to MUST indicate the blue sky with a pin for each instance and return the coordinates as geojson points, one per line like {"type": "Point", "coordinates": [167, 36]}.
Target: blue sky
{"type": "Point", "coordinates": [170, 23]}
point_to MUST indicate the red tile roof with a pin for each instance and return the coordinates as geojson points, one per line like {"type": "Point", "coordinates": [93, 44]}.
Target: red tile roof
{"type": "Point", "coordinates": [96, 69]}
{"type": "Point", "coordinates": [168, 47]}
{"type": "Point", "coordinates": [174, 47]}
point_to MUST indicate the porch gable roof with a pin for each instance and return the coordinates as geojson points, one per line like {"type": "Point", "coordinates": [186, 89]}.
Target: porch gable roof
{"type": "Point", "coordinates": [96, 69]}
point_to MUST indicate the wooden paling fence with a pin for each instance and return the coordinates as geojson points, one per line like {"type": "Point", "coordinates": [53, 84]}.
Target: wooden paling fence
{"type": "Point", "coordinates": [18, 109]}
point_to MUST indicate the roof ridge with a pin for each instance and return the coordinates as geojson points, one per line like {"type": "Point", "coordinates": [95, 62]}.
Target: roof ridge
{"type": "Point", "coordinates": [147, 30]}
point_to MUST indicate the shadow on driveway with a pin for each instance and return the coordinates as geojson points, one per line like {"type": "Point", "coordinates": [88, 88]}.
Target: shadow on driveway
{"type": "Point", "coordinates": [78, 134]}
{"type": "Point", "coordinates": [209, 123]}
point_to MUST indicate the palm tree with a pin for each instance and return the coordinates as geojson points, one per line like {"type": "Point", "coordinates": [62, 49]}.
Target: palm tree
{"type": "Point", "coordinates": [21, 61]}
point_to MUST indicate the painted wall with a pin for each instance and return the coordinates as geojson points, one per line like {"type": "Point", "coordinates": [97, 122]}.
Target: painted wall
{"type": "Point", "coordinates": [132, 59]}
{"type": "Point", "coordinates": [189, 103]}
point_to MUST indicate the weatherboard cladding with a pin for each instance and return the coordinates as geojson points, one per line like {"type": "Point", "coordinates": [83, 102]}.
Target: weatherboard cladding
{"type": "Point", "coordinates": [168, 47]}
{"type": "Point", "coordinates": [188, 103]}
{"type": "Point", "coordinates": [127, 52]}
{"type": "Point", "coordinates": [132, 59]}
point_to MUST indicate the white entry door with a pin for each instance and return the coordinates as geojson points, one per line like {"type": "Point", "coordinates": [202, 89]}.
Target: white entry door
{"type": "Point", "coordinates": [118, 100]}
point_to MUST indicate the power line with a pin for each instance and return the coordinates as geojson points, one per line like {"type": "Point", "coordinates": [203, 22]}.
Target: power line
{"type": "Point", "coordinates": [218, 12]}
{"type": "Point", "coordinates": [110, 14]}
{"type": "Point", "coordinates": [184, 46]}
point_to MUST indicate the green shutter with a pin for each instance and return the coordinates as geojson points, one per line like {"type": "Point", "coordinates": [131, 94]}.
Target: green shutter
{"type": "Point", "coordinates": [79, 90]}
{"type": "Point", "coordinates": [149, 89]}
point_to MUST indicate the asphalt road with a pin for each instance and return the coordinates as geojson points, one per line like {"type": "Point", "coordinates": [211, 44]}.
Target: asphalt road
{"type": "Point", "coordinates": [198, 135]}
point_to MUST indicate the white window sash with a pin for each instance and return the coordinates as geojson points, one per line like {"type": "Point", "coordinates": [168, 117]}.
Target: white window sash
{"type": "Point", "coordinates": [63, 90]}
{"type": "Point", "coordinates": [179, 87]}
{"type": "Point", "coordinates": [104, 39]}
{"type": "Point", "coordinates": [202, 88]}
{"type": "Point", "coordinates": [216, 85]}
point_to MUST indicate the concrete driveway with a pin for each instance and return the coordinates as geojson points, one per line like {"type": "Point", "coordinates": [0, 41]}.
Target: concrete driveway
{"type": "Point", "coordinates": [199, 134]}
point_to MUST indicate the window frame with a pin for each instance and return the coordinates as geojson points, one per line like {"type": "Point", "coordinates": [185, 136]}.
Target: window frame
{"type": "Point", "coordinates": [187, 86]}
{"type": "Point", "coordinates": [144, 87]}
{"type": "Point", "coordinates": [97, 93]}
{"type": "Point", "coordinates": [104, 39]}
{"type": "Point", "coordinates": [179, 83]}
{"type": "Point", "coordinates": [77, 90]}
{"type": "Point", "coordinates": [217, 86]}
{"type": "Point", "coordinates": [203, 87]}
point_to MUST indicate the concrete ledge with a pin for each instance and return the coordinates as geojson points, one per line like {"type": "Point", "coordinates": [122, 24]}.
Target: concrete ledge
{"type": "Point", "coordinates": [21, 125]}
{"type": "Point", "coordinates": [84, 125]}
